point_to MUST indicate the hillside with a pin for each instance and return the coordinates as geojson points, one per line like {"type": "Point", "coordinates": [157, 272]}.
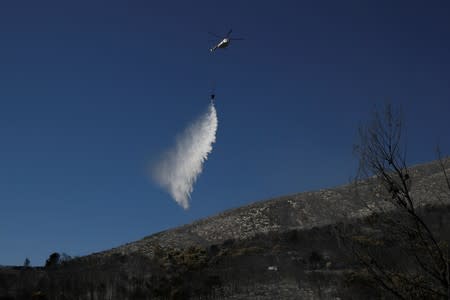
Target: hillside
{"type": "Point", "coordinates": [299, 211]}
{"type": "Point", "coordinates": [283, 248]}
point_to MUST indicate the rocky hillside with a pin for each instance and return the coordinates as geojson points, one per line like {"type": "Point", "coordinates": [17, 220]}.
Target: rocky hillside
{"type": "Point", "coordinates": [300, 211]}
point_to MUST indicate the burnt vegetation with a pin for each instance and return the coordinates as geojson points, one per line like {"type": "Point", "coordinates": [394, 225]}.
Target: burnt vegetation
{"type": "Point", "coordinates": [312, 259]}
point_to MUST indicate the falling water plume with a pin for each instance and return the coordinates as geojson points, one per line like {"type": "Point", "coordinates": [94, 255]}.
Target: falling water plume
{"type": "Point", "coordinates": [180, 166]}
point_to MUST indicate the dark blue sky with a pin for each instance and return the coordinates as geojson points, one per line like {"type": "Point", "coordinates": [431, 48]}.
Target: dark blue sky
{"type": "Point", "coordinates": [92, 91]}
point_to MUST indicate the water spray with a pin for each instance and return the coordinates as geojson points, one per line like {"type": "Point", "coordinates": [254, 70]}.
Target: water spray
{"type": "Point", "coordinates": [180, 166]}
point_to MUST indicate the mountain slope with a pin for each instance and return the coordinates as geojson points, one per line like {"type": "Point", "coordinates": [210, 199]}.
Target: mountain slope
{"type": "Point", "coordinates": [299, 211]}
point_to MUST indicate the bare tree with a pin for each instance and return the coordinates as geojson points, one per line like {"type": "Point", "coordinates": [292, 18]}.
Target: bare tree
{"type": "Point", "coordinates": [398, 250]}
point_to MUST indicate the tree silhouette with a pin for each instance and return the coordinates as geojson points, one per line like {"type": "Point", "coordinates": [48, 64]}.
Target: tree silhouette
{"type": "Point", "coordinates": [53, 260]}
{"type": "Point", "coordinates": [27, 263]}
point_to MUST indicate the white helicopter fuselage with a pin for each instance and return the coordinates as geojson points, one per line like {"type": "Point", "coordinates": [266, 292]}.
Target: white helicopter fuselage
{"type": "Point", "coordinates": [222, 44]}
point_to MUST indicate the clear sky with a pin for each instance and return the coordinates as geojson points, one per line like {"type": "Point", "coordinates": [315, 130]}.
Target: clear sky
{"type": "Point", "coordinates": [92, 91]}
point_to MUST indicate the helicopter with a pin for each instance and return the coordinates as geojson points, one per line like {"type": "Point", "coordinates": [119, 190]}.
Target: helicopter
{"type": "Point", "coordinates": [224, 41]}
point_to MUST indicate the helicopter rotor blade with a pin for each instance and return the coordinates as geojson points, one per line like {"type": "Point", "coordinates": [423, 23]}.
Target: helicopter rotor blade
{"type": "Point", "coordinates": [213, 34]}
{"type": "Point", "coordinates": [229, 32]}
{"type": "Point", "coordinates": [237, 39]}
